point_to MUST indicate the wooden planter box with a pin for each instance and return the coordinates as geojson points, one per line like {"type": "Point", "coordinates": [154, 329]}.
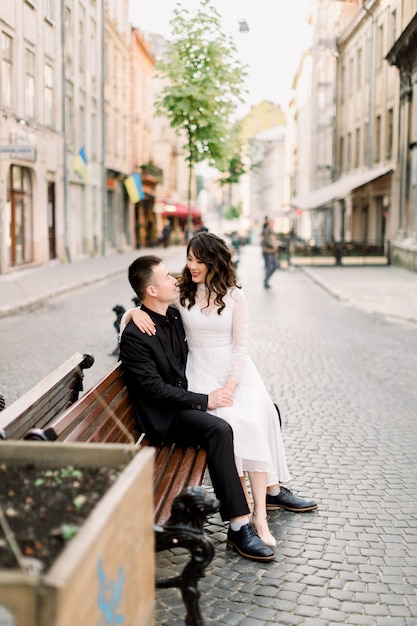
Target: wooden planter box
{"type": "Point", "coordinates": [105, 576]}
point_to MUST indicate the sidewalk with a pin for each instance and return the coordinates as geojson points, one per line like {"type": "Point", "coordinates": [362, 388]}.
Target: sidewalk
{"type": "Point", "coordinates": [29, 287]}
{"type": "Point", "coordinates": [385, 290]}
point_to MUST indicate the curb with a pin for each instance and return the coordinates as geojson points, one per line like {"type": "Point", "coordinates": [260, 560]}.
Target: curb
{"type": "Point", "coordinates": [33, 303]}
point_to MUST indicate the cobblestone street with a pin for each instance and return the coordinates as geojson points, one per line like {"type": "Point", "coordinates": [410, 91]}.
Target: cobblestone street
{"type": "Point", "coordinates": [345, 381]}
{"type": "Point", "coordinates": [344, 378]}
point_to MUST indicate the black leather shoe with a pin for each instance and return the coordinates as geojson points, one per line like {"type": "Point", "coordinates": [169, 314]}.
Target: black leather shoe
{"type": "Point", "coordinates": [287, 500]}
{"type": "Point", "coordinates": [247, 543]}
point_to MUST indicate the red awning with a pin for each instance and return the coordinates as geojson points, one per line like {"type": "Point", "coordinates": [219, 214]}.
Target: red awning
{"type": "Point", "coordinates": [179, 210]}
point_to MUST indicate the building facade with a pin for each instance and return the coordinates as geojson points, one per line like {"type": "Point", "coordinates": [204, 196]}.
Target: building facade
{"type": "Point", "coordinates": [32, 229]}
{"type": "Point", "coordinates": [77, 118]}
{"type": "Point", "coordinates": [403, 56]}
{"type": "Point", "coordinates": [372, 196]}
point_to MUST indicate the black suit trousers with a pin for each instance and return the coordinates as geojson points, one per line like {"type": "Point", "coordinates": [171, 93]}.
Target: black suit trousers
{"type": "Point", "coordinates": [191, 427]}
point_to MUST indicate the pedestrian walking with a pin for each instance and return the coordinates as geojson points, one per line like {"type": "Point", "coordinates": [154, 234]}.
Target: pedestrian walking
{"type": "Point", "coordinates": [269, 251]}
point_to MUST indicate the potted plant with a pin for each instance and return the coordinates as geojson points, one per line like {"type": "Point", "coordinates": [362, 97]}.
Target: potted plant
{"type": "Point", "coordinates": [105, 574]}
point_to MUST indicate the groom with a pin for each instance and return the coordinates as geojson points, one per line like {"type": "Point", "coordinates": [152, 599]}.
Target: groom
{"type": "Point", "coordinates": [155, 375]}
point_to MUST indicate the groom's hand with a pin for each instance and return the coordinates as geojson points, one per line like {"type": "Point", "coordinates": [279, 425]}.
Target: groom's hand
{"type": "Point", "coordinates": [219, 397]}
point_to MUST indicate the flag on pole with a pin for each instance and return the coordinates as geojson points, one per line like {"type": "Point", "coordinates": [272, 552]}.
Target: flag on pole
{"type": "Point", "coordinates": [80, 164]}
{"type": "Point", "coordinates": [133, 184]}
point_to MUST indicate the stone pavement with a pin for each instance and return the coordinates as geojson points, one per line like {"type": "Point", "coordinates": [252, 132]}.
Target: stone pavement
{"type": "Point", "coordinates": [337, 348]}
{"type": "Point", "coordinates": [387, 290]}
{"type": "Point", "coordinates": [27, 287]}
{"type": "Point", "coordinates": [344, 379]}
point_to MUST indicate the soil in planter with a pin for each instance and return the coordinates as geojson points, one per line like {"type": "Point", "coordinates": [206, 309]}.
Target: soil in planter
{"type": "Point", "coordinates": [45, 508]}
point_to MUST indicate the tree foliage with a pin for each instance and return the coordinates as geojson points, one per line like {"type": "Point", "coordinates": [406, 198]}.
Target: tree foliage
{"type": "Point", "coordinates": [232, 166]}
{"type": "Point", "coordinates": [204, 86]}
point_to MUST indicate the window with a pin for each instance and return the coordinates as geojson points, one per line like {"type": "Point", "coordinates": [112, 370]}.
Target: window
{"type": "Point", "coordinates": [49, 96]}
{"type": "Point", "coordinates": [68, 31]}
{"type": "Point", "coordinates": [359, 68]}
{"type": "Point", "coordinates": [343, 83]}
{"type": "Point", "coordinates": [390, 132]}
{"type": "Point", "coordinates": [341, 155]}
{"type": "Point", "coordinates": [377, 152]}
{"type": "Point", "coordinates": [49, 9]}
{"type": "Point", "coordinates": [93, 48]}
{"type": "Point", "coordinates": [351, 67]}
{"type": "Point", "coordinates": [6, 70]}
{"type": "Point", "coordinates": [30, 84]}
{"type": "Point", "coordinates": [82, 137]}
{"type": "Point", "coordinates": [413, 179]}
{"type": "Point", "coordinates": [393, 27]}
{"type": "Point", "coordinates": [69, 116]}
{"type": "Point", "coordinates": [81, 39]}
{"type": "Point", "coordinates": [349, 152]}
{"type": "Point", "coordinates": [357, 146]}
{"type": "Point", "coordinates": [379, 47]}
{"type": "Point", "coordinates": [93, 141]}
{"type": "Point", "coordinates": [366, 144]}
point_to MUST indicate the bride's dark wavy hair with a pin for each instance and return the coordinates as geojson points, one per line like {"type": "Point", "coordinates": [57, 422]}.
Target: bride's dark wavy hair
{"type": "Point", "coordinates": [213, 251]}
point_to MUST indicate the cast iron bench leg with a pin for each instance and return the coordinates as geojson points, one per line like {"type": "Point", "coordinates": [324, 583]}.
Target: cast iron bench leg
{"type": "Point", "coordinates": [185, 529]}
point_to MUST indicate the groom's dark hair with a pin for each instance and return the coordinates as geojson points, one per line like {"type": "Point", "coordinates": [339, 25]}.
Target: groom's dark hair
{"type": "Point", "coordinates": [141, 272]}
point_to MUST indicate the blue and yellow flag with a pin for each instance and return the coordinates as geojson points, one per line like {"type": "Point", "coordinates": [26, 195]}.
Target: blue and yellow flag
{"type": "Point", "coordinates": [80, 164]}
{"type": "Point", "coordinates": [133, 184]}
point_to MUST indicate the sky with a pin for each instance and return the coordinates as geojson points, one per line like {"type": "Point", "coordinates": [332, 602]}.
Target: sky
{"type": "Point", "coordinates": [272, 49]}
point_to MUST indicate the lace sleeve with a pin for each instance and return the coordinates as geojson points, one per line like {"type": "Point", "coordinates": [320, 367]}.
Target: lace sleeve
{"type": "Point", "coordinates": [240, 332]}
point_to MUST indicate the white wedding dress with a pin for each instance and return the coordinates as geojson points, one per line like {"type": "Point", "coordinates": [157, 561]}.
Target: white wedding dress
{"type": "Point", "coordinates": [218, 351]}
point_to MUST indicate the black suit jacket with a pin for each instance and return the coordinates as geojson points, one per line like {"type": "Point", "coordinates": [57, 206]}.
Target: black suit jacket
{"type": "Point", "coordinates": [157, 383]}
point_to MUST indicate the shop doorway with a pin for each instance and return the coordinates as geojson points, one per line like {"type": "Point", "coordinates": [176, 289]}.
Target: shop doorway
{"type": "Point", "coordinates": [19, 198]}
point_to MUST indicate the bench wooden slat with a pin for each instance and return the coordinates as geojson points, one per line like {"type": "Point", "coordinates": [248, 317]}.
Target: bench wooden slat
{"type": "Point", "coordinates": [96, 404]}
{"type": "Point", "coordinates": [168, 473]}
{"type": "Point", "coordinates": [186, 468]}
{"type": "Point", "coordinates": [111, 431]}
{"type": "Point", "coordinates": [50, 397]}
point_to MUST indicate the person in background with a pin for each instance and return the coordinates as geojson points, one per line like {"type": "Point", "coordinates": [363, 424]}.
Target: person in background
{"type": "Point", "coordinates": [269, 251]}
{"type": "Point", "coordinates": [155, 370]}
{"type": "Point", "coordinates": [215, 317]}
{"type": "Point", "coordinates": [165, 235]}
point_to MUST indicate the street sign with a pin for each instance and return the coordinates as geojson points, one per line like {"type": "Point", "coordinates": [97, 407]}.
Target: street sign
{"type": "Point", "coordinates": [25, 153]}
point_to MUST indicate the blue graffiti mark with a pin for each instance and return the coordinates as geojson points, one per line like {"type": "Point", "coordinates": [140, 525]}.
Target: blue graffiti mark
{"type": "Point", "coordinates": [109, 596]}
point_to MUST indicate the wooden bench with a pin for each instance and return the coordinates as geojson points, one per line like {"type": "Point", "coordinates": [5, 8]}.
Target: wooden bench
{"type": "Point", "coordinates": [46, 400]}
{"type": "Point", "coordinates": [181, 504]}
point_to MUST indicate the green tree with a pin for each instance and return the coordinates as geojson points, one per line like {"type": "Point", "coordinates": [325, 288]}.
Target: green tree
{"type": "Point", "coordinates": [204, 86]}
{"type": "Point", "coordinates": [232, 167]}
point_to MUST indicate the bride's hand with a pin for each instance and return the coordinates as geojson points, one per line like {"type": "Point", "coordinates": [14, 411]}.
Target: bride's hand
{"type": "Point", "coordinates": [143, 321]}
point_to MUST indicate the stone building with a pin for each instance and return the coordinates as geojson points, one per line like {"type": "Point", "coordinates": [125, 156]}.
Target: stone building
{"type": "Point", "coordinates": [403, 56]}
{"type": "Point", "coordinates": [371, 197]}
{"type": "Point", "coordinates": [32, 228]}
{"type": "Point", "coordinates": [62, 161]}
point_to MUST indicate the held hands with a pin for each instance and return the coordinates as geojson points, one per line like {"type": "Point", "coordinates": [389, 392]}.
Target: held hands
{"type": "Point", "coordinates": [219, 397]}
{"type": "Point", "coordinates": [142, 321]}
